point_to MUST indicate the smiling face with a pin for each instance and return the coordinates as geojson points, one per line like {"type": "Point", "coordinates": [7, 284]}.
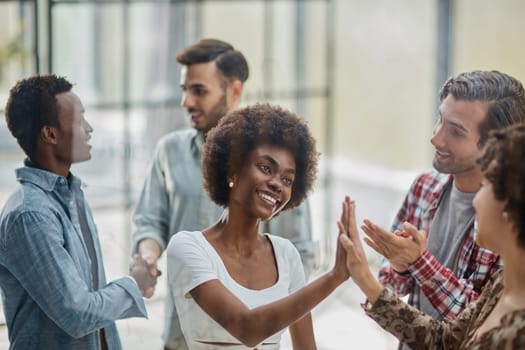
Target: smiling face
{"type": "Point", "coordinates": [264, 184]}
{"type": "Point", "coordinates": [73, 132]}
{"type": "Point", "coordinates": [206, 95]}
{"type": "Point", "coordinates": [456, 137]}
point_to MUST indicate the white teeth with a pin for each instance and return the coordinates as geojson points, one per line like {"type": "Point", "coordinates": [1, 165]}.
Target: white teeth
{"type": "Point", "coordinates": [268, 198]}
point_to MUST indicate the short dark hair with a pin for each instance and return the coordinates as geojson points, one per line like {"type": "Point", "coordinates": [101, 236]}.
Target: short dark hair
{"type": "Point", "coordinates": [241, 131]}
{"type": "Point", "coordinates": [504, 93]}
{"type": "Point", "coordinates": [32, 104]}
{"type": "Point", "coordinates": [503, 164]}
{"type": "Point", "coordinates": [230, 62]}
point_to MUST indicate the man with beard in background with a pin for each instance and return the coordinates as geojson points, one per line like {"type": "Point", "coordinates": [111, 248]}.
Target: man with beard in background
{"type": "Point", "coordinates": [173, 197]}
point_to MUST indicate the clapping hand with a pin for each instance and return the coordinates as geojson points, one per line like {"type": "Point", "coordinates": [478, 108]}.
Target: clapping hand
{"type": "Point", "coordinates": [401, 248]}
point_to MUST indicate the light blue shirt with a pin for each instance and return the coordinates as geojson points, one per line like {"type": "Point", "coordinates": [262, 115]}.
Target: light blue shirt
{"type": "Point", "coordinates": [173, 199]}
{"type": "Point", "coordinates": [45, 270]}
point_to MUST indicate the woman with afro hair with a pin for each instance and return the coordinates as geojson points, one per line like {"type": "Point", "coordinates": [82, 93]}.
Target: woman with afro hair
{"type": "Point", "coordinates": [236, 288]}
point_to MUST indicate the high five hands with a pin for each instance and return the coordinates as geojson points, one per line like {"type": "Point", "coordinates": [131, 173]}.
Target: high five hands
{"type": "Point", "coordinates": [356, 261]}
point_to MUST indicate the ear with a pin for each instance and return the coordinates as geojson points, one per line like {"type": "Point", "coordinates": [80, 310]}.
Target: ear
{"type": "Point", "coordinates": [231, 178]}
{"type": "Point", "coordinates": [48, 134]}
{"type": "Point", "coordinates": [235, 91]}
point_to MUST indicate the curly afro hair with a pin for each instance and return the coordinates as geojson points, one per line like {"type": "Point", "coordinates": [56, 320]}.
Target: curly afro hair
{"type": "Point", "coordinates": [503, 165]}
{"type": "Point", "coordinates": [241, 131]}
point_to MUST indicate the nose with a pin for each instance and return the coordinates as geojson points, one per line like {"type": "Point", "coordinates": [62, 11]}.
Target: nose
{"type": "Point", "coordinates": [437, 135]}
{"type": "Point", "coordinates": [187, 100]}
{"type": "Point", "coordinates": [88, 127]}
{"type": "Point", "coordinates": [275, 185]}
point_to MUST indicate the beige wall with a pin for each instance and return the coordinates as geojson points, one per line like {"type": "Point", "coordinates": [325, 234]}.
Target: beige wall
{"type": "Point", "coordinates": [384, 82]}
{"type": "Point", "coordinates": [489, 35]}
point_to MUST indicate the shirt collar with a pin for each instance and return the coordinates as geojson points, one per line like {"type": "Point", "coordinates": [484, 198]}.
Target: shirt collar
{"type": "Point", "coordinates": [197, 142]}
{"type": "Point", "coordinates": [438, 192]}
{"type": "Point", "coordinates": [44, 179]}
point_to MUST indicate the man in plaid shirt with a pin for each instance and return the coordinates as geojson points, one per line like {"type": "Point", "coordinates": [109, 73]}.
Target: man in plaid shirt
{"type": "Point", "coordinates": [444, 270]}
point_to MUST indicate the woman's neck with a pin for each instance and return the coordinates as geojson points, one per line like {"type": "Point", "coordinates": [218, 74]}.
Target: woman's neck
{"type": "Point", "coordinates": [514, 271]}
{"type": "Point", "coordinates": [238, 231]}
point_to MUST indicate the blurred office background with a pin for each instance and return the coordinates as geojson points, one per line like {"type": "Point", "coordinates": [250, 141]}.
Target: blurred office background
{"type": "Point", "coordinates": [365, 74]}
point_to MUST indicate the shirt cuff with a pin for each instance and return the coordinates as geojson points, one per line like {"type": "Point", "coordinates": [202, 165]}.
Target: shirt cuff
{"type": "Point", "coordinates": [425, 266]}
{"type": "Point", "coordinates": [134, 281]}
{"type": "Point", "coordinates": [385, 295]}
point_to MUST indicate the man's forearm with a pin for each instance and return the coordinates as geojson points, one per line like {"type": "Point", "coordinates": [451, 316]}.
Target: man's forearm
{"type": "Point", "coordinates": [149, 248]}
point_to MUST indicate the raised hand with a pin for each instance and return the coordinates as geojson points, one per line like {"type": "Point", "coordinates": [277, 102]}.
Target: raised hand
{"type": "Point", "coordinates": [340, 256]}
{"type": "Point", "coordinates": [356, 261]}
{"type": "Point", "coordinates": [401, 248]}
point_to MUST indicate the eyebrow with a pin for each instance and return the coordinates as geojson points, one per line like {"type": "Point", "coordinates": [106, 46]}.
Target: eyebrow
{"type": "Point", "coordinates": [274, 162]}
{"type": "Point", "coordinates": [193, 85]}
{"type": "Point", "coordinates": [453, 123]}
{"type": "Point", "coordinates": [457, 125]}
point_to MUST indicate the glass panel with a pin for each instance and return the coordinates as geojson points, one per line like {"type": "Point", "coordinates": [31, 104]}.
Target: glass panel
{"type": "Point", "coordinates": [17, 60]}
{"type": "Point", "coordinates": [16, 43]}
{"type": "Point", "coordinates": [241, 24]}
{"type": "Point", "coordinates": [88, 49]}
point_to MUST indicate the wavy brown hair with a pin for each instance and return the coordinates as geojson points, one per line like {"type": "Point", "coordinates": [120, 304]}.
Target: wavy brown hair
{"type": "Point", "coordinates": [505, 95]}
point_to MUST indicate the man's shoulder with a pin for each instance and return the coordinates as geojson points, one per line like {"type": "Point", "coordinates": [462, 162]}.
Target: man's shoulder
{"type": "Point", "coordinates": [175, 144]}
{"type": "Point", "coordinates": [431, 180]}
{"type": "Point", "coordinates": [26, 199]}
{"type": "Point", "coordinates": [178, 136]}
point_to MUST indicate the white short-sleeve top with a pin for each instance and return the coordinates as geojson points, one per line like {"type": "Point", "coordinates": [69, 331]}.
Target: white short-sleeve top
{"type": "Point", "coordinates": [192, 260]}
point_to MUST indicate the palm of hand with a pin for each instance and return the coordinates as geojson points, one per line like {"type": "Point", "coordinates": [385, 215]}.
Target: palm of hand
{"type": "Point", "coordinates": [402, 248]}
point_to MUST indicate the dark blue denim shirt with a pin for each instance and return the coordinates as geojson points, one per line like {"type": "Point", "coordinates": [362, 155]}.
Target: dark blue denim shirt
{"type": "Point", "coordinates": [45, 270]}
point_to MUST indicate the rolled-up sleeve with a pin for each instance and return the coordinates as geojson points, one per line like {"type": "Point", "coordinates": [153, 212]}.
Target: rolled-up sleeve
{"type": "Point", "coordinates": [151, 216]}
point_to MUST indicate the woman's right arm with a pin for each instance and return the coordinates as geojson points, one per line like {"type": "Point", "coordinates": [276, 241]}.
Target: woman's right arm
{"type": "Point", "coordinates": [252, 326]}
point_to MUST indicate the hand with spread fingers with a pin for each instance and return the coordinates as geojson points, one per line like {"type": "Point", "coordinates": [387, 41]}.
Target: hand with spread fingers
{"type": "Point", "coordinates": [401, 248]}
{"type": "Point", "coordinates": [356, 261]}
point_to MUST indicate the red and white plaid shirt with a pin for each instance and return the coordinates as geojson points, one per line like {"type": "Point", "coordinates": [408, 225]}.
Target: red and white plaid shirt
{"type": "Point", "coordinates": [448, 292]}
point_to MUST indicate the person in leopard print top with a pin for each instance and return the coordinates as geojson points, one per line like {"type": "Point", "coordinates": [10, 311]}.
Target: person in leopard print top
{"type": "Point", "coordinates": [497, 319]}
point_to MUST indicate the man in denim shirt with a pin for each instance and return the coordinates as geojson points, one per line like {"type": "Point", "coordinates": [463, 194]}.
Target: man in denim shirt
{"type": "Point", "coordinates": [173, 197]}
{"type": "Point", "coordinates": [52, 278]}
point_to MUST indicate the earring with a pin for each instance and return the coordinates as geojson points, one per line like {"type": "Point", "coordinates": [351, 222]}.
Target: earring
{"type": "Point", "coordinates": [230, 184]}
